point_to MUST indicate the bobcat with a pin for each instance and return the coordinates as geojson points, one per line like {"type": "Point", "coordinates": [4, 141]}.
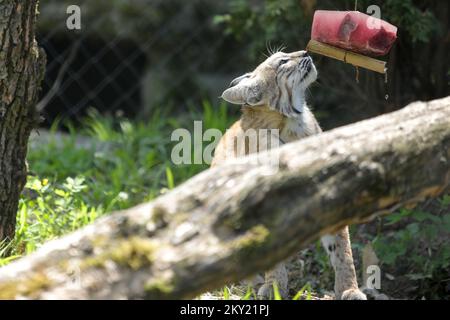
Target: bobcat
{"type": "Point", "coordinates": [273, 97]}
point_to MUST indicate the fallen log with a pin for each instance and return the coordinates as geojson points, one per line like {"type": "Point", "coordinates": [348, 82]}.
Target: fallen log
{"type": "Point", "coordinates": [233, 221]}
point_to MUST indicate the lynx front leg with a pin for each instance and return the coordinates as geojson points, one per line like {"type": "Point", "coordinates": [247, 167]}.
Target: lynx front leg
{"type": "Point", "coordinates": [278, 275]}
{"type": "Point", "coordinates": [340, 252]}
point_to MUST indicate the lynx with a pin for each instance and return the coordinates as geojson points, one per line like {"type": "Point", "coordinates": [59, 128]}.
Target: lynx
{"type": "Point", "coordinates": [273, 97]}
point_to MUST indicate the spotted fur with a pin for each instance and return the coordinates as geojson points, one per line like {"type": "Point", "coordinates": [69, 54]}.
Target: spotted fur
{"type": "Point", "coordinates": [273, 97]}
{"type": "Point", "coordinates": [278, 83]}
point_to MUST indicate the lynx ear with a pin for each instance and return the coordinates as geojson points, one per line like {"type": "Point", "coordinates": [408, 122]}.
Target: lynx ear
{"type": "Point", "coordinates": [244, 90]}
{"type": "Point", "coordinates": [236, 81]}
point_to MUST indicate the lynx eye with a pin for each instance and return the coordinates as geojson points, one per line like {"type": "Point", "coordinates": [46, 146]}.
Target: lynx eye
{"type": "Point", "coordinates": [283, 61]}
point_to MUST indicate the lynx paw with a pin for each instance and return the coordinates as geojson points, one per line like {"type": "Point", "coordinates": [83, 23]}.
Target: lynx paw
{"type": "Point", "coordinates": [353, 294]}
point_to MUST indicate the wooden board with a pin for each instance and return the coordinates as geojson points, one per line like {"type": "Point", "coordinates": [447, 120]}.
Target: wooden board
{"type": "Point", "coordinates": [355, 59]}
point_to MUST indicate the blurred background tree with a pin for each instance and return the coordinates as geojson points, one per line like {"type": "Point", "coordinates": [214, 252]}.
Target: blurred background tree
{"type": "Point", "coordinates": [148, 54]}
{"type": "Point", "coordinates": [418, 64]}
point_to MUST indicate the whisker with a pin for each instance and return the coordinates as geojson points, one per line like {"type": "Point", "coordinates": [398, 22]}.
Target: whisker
{"type": "Point", "coordinates": [274, 49]}
{"type": "Point", "coordinates": [265, 54]}
{"type": "Point", "coordinates": [269, 47]}
{"type": "Point", "coordinates": [281, 48]}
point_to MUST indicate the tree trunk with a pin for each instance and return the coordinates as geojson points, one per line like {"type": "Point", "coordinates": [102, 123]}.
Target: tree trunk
{"type": "Point", "coordinates": [22, 66]}
{"type": "Point", "coordinates": [235, 220]}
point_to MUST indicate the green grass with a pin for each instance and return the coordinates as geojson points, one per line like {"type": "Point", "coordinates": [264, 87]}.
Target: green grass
{"type": "Point", "coordinates": [420, 246]}
{"type": "Point", "coordinates": [119, 165]}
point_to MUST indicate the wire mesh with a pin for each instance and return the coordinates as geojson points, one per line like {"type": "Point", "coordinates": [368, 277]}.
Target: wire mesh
{"type": "Point", "coordinates": [133, 67]}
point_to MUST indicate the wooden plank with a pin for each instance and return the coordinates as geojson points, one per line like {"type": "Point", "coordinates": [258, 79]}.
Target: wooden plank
{"type": "Point", "coordinates": [355, 59]}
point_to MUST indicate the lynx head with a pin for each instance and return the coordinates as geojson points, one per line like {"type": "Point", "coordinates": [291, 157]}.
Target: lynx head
{"type": "Point", "coordinates": [279, 83]}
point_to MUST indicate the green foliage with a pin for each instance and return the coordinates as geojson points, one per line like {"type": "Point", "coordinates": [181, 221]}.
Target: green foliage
{"type": "Point", "coordinates": [304, 293]}
{"type": "Point", "coordinates": [108, 164]}
{"type": "Point", "coordinates": [420, 246]}
{"type": "Point", "coordinates": [445, 201]}
{"type": "Point", "coordinates": [249, 294]}
{"type": "Point", "coordinates": [287, 22]}
{"type": "Point", "coordinates": [306, 289]}
{"type": "Point", "coordinates": [419, 24]}
{"type": "Point", "coordinates": [276, 292]}
{"type": "Point", "coordinates": [51, 209]}
{"type": "Point", "coordinates": [113, 164]}
{"type": "Point", "coordinates": [226, 293]}
{"type": "Point", "coordinates": [261, 24]}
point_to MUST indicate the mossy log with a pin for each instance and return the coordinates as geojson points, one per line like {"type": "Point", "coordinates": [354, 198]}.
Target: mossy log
{"type": "Point", "coordinates": [233, 221]}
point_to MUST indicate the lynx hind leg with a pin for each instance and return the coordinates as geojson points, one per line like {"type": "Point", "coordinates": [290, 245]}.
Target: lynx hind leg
{"type": "Point", "coordinates": [280, 276]}
{"type": "Point", "coordinates": [339, 251]}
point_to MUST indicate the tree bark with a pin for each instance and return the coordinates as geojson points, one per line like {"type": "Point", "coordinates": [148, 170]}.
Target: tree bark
{"type": "Point", "coordinates": [21, 71]}
{"type": "Point", "coordinates": [235, 220]}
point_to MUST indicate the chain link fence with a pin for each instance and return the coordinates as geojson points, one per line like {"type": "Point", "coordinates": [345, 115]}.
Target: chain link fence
{"type": "Point", "coordinates": [130, 57]}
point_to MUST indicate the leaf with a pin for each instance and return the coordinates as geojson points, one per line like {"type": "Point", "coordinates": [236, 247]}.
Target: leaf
{"type": "Point", "coordinates": [226, 293]}
{"type": "Point", "coordinates": [299, 295]}
{"type": "Point", "coordinates": [169, 176]}
{"type": "Point", "coordinates": [446, 222]}
{"type": "Point", "coordinates": [5, 261]}
{"type": "Point", "coordinates": [413, 228]}
{"type": "Point", "coordinates": [276, 292]}
{"type": "Point", "coordinates": [218, 19]}
{"type": "Point", "coordinates": [60, 193]}
{"type": "Point", "coordinates": [249, 293]}
{"type": "Point", "coordinates": [390, 257]}
{"type": "Point", "coordinates": [396, 217]}
{"type": "Point", "coordinates": [445, 201]}
{"type": "Point", "coordinates": [421, 216]}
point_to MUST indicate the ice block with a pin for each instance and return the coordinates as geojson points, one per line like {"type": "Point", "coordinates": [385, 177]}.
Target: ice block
{"type": "Point", "coordinates": [353, 31]}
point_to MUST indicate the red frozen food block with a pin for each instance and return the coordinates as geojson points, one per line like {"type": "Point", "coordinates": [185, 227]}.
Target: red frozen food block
{"type": "Point", "coordinates": [354, 31]}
